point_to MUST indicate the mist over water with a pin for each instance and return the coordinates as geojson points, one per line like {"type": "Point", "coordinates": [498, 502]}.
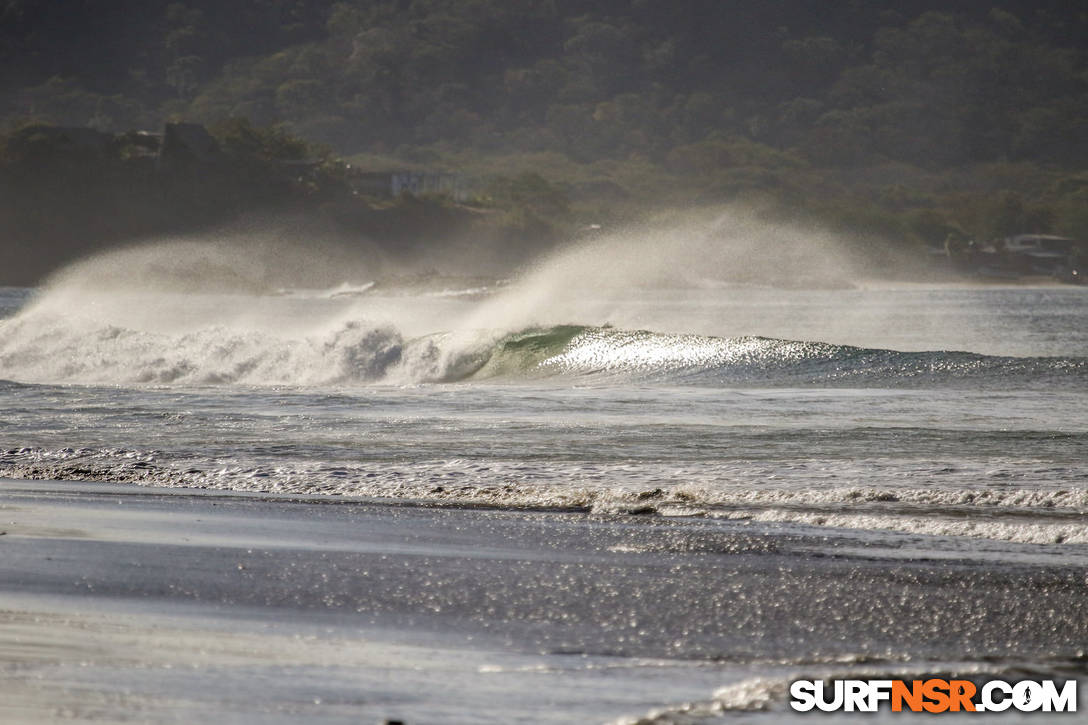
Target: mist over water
{"type": "Point", "coordinates": [601, 280]}
{"type": "Point", "coordinates": [265, 307]}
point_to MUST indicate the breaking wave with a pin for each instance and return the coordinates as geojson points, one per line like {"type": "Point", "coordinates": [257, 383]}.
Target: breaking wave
{"type": "Point", "coordinates": [695, 359]}
{"type": "Point", "coordinates": [359, 352]}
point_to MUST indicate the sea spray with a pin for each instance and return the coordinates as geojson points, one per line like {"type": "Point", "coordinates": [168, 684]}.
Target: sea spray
{"type": "Point", "coordinates": [39, 348]}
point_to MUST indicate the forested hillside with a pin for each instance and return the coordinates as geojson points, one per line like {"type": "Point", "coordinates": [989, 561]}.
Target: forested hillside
{"type": "Point", "coordinates": [906, 120]}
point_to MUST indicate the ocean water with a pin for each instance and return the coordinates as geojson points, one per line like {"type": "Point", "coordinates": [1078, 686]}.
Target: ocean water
{"type": "Point", "coordinates": [927, 412]}
{"type": "Point", "coordinates": [935, 410]}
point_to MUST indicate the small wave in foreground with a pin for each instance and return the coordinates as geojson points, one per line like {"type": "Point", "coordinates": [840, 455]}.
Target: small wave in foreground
{"type": "Point", "coordinates": [1040, 515]}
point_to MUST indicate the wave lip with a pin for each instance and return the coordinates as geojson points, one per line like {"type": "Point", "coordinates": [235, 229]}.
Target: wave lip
{"type": "Point", "coordinates": [43, 347]}
{"type": "Point", "coordinates": [571, 350]}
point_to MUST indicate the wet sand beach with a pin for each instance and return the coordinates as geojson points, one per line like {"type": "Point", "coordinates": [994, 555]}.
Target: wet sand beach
{"type": "Point", "coordinates": [132, 604]}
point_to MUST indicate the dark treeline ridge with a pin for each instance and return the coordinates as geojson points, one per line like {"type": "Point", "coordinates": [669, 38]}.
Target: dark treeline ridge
{"type": "Point", "coordinates": [904, 121]}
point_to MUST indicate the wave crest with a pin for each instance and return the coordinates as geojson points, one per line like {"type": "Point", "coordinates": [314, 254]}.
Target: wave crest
{"type": "Point", "coordinates": [696, 359]}
{"type": "Point", "coordinates": [42, 349]}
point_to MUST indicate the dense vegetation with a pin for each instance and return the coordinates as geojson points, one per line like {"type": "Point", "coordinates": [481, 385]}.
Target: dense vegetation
{"type": "Point", "coordinates": [905, 123]}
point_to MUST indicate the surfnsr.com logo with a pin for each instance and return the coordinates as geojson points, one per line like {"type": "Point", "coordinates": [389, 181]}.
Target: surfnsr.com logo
{"type": "Point", "coordinates": [933, 695]}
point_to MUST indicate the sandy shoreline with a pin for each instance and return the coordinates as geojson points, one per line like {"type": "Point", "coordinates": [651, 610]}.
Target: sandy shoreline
{"type": "Point", "coordinates": [129, 604]}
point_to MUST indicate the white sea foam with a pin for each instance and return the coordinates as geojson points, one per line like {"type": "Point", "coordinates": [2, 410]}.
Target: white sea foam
{"type": "Point", "coordinates": [1040, 516]}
